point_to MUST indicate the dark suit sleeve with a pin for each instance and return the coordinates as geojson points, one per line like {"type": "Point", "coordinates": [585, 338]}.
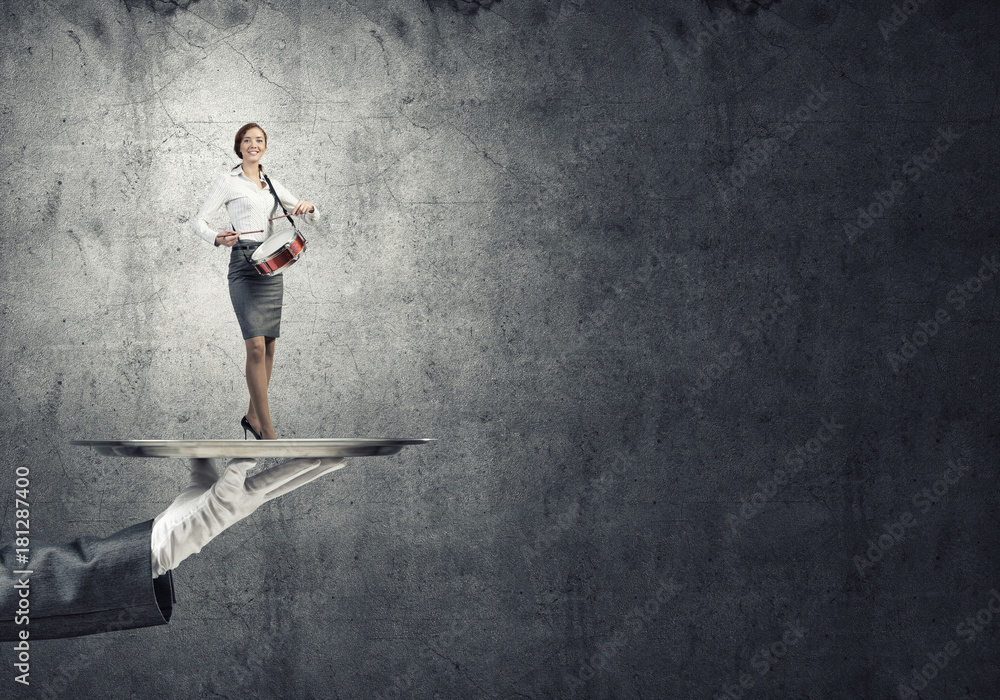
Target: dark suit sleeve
{"type": "Point", "coordinates": [86, 586]}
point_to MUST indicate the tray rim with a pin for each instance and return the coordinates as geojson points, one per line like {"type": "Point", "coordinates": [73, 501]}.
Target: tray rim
{"type": "Point", "coordinates": [213, 441]}
{"type": "Point", "coordinates": [256, 449]}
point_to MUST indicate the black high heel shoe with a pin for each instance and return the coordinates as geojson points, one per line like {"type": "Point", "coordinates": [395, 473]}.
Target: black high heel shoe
{"type": "Point", "coordinates": [245, 424]}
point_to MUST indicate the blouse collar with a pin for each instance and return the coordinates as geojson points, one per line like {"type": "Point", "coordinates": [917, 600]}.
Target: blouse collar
{"type": "Point", "coordinates": [238, 170]}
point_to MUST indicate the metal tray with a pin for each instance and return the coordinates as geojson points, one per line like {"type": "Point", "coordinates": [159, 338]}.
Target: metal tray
{"type": "Point", "coordinates": [326, 447]}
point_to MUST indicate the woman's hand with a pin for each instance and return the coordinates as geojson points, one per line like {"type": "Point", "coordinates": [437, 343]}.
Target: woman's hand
{"type": "Point", "coordinates": [303, 207]}
{"type": "Point", "coordinates": [227, 238]}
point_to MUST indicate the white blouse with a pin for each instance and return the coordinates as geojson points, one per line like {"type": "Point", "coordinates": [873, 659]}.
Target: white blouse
{"type": "Point", "coordinates": [248, 205]}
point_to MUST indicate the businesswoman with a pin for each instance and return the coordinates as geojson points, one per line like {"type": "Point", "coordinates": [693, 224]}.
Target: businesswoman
{"type": "Point", "coordinates": [250, 197]}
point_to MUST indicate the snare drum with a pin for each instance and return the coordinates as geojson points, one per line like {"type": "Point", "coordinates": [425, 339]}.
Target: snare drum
{"type": "Point", "coordinates": [278, 252]}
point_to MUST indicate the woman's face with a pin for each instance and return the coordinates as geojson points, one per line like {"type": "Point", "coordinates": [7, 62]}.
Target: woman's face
{"type": "Point", "coordinates": [253, 146]}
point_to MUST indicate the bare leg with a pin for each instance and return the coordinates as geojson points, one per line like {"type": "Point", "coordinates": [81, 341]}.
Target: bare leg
{"type": "Point", "coordinates": [268, 366]}
{"type": "Point", "coordinates": [269, 356]}
{"type": "Point", "coordinates": [260, 360]}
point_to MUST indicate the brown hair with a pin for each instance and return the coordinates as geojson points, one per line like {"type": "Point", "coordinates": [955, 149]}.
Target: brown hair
{"type": "Point", "coordinates": [242, 132]}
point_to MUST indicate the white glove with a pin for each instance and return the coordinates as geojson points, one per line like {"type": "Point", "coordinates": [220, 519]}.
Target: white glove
{"type": "Point", "coordinates": [210, 505]}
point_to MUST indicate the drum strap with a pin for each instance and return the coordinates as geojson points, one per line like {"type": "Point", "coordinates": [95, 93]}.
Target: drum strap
{"type": "Point", "coordinates": [270, 186]}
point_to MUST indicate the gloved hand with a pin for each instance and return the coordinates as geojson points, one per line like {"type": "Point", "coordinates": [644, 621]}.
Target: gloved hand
{"type": "Point", "coordinates": [211, 504]}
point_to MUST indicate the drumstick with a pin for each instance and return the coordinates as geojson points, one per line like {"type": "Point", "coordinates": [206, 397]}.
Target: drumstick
{"type": "Point", "coordinates": [240, 233]}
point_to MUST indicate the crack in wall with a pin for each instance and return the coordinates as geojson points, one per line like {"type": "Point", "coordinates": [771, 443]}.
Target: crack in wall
{"type": "Point", "coordinates": [160, 7]}
{"type": "Point", "coordinates": [259, 71]}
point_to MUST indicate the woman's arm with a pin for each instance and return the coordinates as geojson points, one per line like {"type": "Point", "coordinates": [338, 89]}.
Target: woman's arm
{"type": "Point", "coordinates": [215, 200]}
{"type": "Point", "coordinates": [290, 201]}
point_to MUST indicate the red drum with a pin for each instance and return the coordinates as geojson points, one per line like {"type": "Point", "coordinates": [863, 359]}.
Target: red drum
{"type": "Point", "coordinates": [278, 252]}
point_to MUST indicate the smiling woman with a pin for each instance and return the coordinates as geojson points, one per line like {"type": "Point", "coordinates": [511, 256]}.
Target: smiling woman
{"type": "Point", "coordinates": [252, 199]}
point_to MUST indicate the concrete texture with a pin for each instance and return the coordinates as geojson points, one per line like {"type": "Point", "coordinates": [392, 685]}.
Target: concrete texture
{"type": "Point", "coordinates": [689, 398]}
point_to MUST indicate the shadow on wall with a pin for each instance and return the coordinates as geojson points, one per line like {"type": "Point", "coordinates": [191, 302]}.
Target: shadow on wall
{"type": "Point", "coordinates": [743, 7]}
{"type": "Point", "coordinates": [465, 7]}
{"type": "Point", "coordinates": [159, 7]}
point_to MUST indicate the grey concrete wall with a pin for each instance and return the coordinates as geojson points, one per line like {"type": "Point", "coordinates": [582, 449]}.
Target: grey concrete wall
{"type": "Point", "coordinates": [694, 428]}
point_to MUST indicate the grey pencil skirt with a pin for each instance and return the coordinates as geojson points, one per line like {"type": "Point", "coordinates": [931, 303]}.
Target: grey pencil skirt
{"type": "Point", "coordinates": [256, 298]}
